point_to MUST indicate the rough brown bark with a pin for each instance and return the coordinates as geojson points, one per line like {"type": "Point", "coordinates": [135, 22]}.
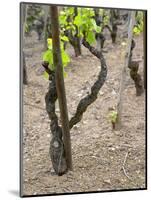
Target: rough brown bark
{"type": "Point", "coordinates": [57, 152]}
{"type": "Point", "coordinates": [90, 98]}
{"type": "Point", "coordinates": [114, 18]}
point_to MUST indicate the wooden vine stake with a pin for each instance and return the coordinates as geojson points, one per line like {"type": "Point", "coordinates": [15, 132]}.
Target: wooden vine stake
{"type": "Point", "coordinates": [57, 60]}
{"type": "Point", "coordinates": [46, 12]}
{"type": "Point", "coordinates": [23, 9]}
{"type": "Point", "coordinates": [123, 73]}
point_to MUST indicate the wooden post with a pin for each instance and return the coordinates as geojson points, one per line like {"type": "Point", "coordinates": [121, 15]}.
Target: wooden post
{"type": "Point", "coordinates": [145, 48]}
{"type": "Point", "coordinates": [24, 8]}
{"type": "Point", "coordinates": [57, 60]}
{"type": "Point", "coordinates": [123, 74]}
{"type": "Point", "coordinates": [46, 11]}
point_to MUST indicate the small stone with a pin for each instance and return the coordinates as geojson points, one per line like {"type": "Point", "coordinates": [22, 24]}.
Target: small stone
{"type": "Point", "coordinates": [109, 145]}
{"type": "Point", "coordinates": [70, 173]}
{"type": "Point", "coordinates": [79, 95]}
{"type": "Point", "coordinates": [75, 127]}
{"type": "Point", "coordinates": [118, 133]}
{"type": "Point", "coordinates": [48, 135]}
{"type": "Point", "coordinates": [52, 171]}
{"type": "Point", "coordinates": [37, 101]}
{"type": "Point", "coordinates": [108, 181]}
{"type": "Point", "coordinates": [97, 117]}
{"type": "Point", "coordinates": [112, 149]}
{"type": "Point", "coordinates": [95, 135]}
{"type": "Point", "coordinates": [101, 93]}
{"type": "Point", "coordinates": [113, 92]}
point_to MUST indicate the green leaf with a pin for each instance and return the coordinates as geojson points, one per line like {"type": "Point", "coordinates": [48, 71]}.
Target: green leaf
{"type": "Point", "coordinates": [94, 24]}
{"type": "Point", "coordinates": [46, 75]}
{"type": "Point", "coordinates": [65, 38]}
{"type": "Point", "coordinates": [49, 43]}
{"type": "Point", "coordinates": [65, 75]}
{"type": "Point", "coordinates": [113, 116]}
{"type": "Point", "coordinates": [98, 29]}
{"type": "Point", "coordinates": [63, 19]}
{"type": "Point", "coordinates": [90, 37]}
{"type": "Point", "coordinates": [136, 30]}
{"type": "Point", "coordinates": [78, 20]}
{"type": "Point", "coordinates": [48, 57]}
{"type": "Point", "coordinates": [65, 58]}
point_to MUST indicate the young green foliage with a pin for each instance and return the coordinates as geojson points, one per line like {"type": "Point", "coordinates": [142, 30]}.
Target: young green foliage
{"type": "Point", "coordinates": [138, 28]}
{"type": "Point", "coordinates": [84, 21]}
{"type": "Point", "coordinates": [48, 56]}
{"type": "Point", "coordinates": [113, 116]}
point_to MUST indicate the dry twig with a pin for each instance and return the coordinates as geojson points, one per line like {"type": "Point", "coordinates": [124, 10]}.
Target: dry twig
{"type": "Point", "coordinates": [123, 166]}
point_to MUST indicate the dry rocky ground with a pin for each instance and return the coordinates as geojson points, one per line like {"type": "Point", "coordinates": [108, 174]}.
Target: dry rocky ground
{"type": "Point", "coordinates": [103, 159]}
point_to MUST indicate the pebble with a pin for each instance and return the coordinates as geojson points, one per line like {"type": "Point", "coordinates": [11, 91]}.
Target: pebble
{"type": "Point", "coordinates": [97, 117]}
{"type": "Point", "coordinates": [109, 145]}
{"type": "Point", "coordinates": [37, 101]}
{"type": "Point", "coordinates": [112, 149]}
{"type": "Point", "coordinates": [108, 181]}
{"type": "Point", "coordinates": [101, 93]}
{"type": "Point", "coordinates": [79, 95]}
{"type": "Point", "coordinates": [113, 92]}
{"type": "Point", "coordinates": [48, 135]}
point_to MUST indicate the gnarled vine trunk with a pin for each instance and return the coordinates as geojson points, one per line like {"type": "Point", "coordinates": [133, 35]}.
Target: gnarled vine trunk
{"type": "Point", "coordinates": [59, 149]}
{"type": "Point", "coordinates": [134, 66]}
{"type": "Point", "coordinates": [57, 152]}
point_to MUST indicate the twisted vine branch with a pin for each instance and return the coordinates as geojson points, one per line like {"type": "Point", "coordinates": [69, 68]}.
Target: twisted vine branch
{"type": "Point", "coordinates": [90, 98]}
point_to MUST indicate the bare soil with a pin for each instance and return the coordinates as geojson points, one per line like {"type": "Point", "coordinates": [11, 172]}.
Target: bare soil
{"type": "Point", "coordinates": [103, 159]}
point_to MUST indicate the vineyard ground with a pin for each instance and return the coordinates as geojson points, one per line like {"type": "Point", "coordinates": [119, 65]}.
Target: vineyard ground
{"type": "Point", "coordinates": [103, 159]}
